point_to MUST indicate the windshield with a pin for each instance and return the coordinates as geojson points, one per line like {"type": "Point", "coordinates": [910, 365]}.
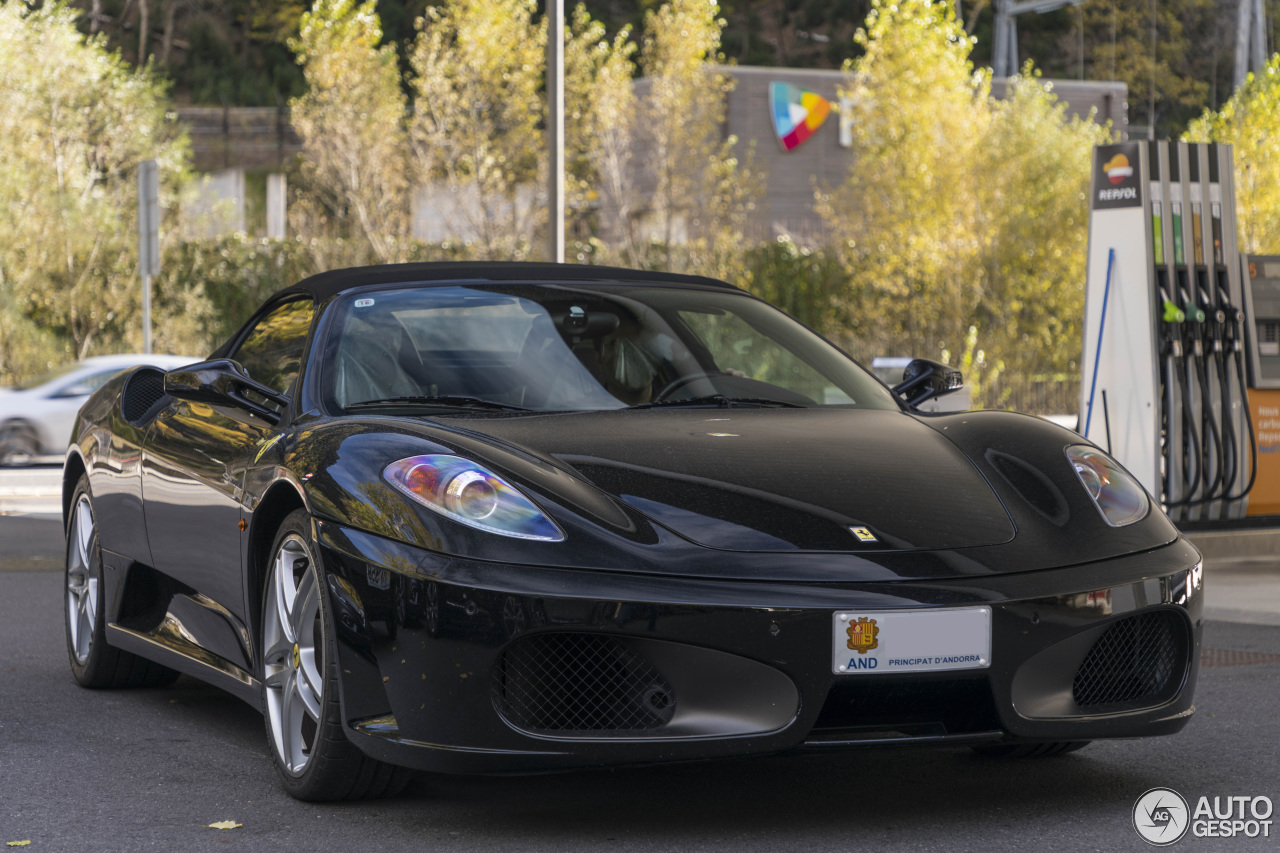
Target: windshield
{"type": "Point", "coordinates": [582, 347]}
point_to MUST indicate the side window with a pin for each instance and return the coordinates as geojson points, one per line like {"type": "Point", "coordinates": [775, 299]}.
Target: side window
{"type": "Point", "coordinates": [272, 351]}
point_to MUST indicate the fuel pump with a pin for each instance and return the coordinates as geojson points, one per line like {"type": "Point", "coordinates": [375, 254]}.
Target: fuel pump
{"type": "Point", "coordinates": [1173, 350]}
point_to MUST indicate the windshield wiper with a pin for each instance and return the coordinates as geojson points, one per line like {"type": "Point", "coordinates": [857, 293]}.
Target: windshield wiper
{"type": "Point", "coordinates": [720, 400]}
{"type": "Point", "coordinates": [444, 401]}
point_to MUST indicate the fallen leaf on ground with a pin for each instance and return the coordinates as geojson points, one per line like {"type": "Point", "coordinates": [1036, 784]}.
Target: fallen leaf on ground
{"type": "Point", "coordinates": [17, 843]}
{"type": "Point", "coordinates": [226, 824]}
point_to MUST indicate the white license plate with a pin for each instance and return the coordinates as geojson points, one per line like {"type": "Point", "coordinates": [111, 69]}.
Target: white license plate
{"type": "Point", "coordinates": [868, 642]}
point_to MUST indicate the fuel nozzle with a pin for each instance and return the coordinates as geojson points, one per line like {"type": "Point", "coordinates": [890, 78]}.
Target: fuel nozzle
{"type": "Point", "coordinates": [1194, 318]}
{"type": "Point", "coordinates": [1215, 328]}
{"type": "Point", "coordinates": [1233, 321]}
{"type": "Point", "coordinates": [1193, 312]}
{"type": "Point", "coordinates": [1173, 317]}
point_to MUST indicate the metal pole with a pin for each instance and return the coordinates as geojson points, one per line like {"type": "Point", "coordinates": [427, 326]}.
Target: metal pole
{"type": "Point", "coordinates": [1243, 18]}
{"type": "Point", "coordinates": [1000, 41]}
{"type": "Point", "coordinates": [1258, 44]}
{"type": "Point", "coordinates": [148, 239]}
{"type": "Point", "coordinates": [146, 314]}
{"type": "Point", "coordinates": [1011, 66]}
{"type": "Point", "coordinates": [555, 130]}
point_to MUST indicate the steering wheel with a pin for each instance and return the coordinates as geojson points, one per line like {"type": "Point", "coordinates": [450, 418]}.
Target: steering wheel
{"type": "Point", "coordinates": [681, 381]}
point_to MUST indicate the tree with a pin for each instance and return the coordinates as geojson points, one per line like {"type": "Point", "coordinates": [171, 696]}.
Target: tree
{"type": "Point", "coordinates": [905, 218]}
{"type": "Point", "coordinates": [600, 125]}
{"type": "Point", "coordinates": [1175, 67]}
{"type": "Point", "coordinates": [75, 120]}
{"type": "Point", "coordinates": [1032, 175]}
{"type": "Point", "coordinates": [964, 220]}
{"type": "Point", "coordinates": [351, 120]}
{"type": "Point", "coordinates": [478, 68]}
{"type": "Point", "coordinates": [1249, 122]}
{"type": "Point", "coordinates": [683, 110]}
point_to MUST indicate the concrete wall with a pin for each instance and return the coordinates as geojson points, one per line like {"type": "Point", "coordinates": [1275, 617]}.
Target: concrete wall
{"type": "Point", "coordinates": [240, 137]}
{"type": "Point", "coordinates": [219, 205]}
{"type": "Point", "coordinates": [787, 207]}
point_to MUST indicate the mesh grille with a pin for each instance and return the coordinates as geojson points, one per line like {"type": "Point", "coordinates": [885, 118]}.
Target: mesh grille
{"type": "Point", "coordinates": [1135, 659]}
{"type": "Point", "coordinates": [143, 393]}
{"type": "Point", "coordinates": [566, 683]}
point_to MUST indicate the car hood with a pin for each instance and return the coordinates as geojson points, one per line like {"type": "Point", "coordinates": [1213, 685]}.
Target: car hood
{"type": "Point", "coordinates": [773, 479]}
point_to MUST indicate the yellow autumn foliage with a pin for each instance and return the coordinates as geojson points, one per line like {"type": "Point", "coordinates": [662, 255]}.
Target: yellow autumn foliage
{"type": "Point", "coordinates": [1250, 123]}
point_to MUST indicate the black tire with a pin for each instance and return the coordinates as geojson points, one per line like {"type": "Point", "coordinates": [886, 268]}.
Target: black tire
{"type": "Point", "coordinates": [334, 768]}
{"type": "Point", "coordinates": [19, 444]}
{"type": "Point", "coordinates": [1029, 750]}
{"type": "Point", "coordinates": [94, 663]}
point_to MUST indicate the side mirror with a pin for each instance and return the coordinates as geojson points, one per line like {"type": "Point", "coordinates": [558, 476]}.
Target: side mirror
{"type": "Point", "coordinates": [223, 382]}
{"type": "Point", "coordinates": [924, 379]}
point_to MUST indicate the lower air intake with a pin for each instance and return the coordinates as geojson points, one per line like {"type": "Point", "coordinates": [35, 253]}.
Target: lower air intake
{"type": "Point", "coordinates": [567, 683]}
{"type": "Point", "coordinates": [1135, 663]}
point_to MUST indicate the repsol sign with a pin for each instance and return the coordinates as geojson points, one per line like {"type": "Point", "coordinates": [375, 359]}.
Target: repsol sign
{"type": "Point", "coordinates": [1116, 176]}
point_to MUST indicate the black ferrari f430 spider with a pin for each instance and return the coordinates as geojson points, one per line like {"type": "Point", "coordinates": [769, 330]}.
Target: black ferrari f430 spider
{"type": "Point", "coordinates": [487, 518]}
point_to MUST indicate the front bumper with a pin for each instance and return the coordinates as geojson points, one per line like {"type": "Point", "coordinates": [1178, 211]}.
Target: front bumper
{"type": "Point", "coordinates": [432, 649]}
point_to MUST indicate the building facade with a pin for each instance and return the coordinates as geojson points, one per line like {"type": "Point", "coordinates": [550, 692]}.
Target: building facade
{"type": "Point", "coordinates": [822, 162]}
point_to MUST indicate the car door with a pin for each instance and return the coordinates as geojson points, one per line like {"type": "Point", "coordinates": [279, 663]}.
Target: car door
{"type": "Point", "coordinates": [196, 455]}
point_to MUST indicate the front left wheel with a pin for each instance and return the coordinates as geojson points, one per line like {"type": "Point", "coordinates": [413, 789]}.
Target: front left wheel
{"type": "Point", "coordinates": [303, 714]}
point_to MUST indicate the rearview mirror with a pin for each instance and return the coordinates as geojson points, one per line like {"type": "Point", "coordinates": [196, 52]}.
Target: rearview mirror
{"type": "Point", "coordinates": [223, 382]}
{"type": "Point", "coordinates": [925, 380]}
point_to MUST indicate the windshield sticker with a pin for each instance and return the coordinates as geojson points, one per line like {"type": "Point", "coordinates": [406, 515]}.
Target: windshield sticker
{"type": "Point", "coordinates": [363, 303]}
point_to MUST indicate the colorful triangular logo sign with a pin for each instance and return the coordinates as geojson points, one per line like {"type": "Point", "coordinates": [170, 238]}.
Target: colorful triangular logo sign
{"type": "Point", "coordinates": [797, 113]}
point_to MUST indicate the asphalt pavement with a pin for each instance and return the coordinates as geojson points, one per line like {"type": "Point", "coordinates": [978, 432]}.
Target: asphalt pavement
{"type": "Point", "coordinates": [134, 770]}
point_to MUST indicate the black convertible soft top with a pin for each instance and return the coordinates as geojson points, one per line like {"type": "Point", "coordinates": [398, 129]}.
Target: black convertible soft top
{"type": "Point", "coordinates": [327, 284]}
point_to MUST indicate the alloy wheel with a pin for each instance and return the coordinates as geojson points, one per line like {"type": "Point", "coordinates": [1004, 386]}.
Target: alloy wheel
{"type": "Point", "coordinates": [18, 445]}
{"type": "Point", "coordinates": [83, 576]}
{"type": "Point", "coordinates": [294, 639]}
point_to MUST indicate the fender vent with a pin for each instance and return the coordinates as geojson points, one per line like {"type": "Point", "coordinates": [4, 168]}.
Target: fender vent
{"type": "Point", "coordinates": [1134, 664]}
{"type": "Point", "coordinates": [580, 683]}
{"type": "Point", "coordinates": [143, 396]}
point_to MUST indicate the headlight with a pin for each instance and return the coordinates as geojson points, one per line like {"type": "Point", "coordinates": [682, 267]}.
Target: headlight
{"type": "Point", "coordinates": [1120, 498]}
{"type": "Point", "coordinates": [471, 494]}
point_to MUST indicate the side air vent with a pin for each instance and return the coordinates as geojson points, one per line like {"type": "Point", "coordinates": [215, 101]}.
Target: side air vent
{"type": "Point", "coordinates": [569, 683]}
{"type": "Point", "coordinates": [1137, 663]}
{"type": "Point", "coordinates": [143, 396]}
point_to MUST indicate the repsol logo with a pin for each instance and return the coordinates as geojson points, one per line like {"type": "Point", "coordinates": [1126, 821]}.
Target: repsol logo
{"type": "Point", "coordinates": [863, 663]}
{"type": "Point", "coordinates": [1117, 194]}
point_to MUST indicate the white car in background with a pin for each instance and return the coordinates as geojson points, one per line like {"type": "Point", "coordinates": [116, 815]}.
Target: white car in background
{"type": "Point", "coordinates": [36, 418]}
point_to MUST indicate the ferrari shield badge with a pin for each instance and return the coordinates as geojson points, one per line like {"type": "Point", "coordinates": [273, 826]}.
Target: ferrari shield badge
{"type": "Point", "coordinates": [863, 534]}
{"type": "Point", "coordinates": [863, 635]}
